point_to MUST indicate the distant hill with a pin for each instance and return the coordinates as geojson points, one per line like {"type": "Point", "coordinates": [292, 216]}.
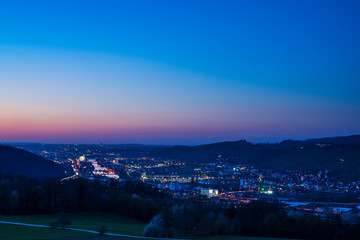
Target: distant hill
{"type": "Point", "coordinates": [15, 161]}
{"type": "Point", "coordinates": [340, 154]}
{"type": "Point", "coordinates": [347, 139]}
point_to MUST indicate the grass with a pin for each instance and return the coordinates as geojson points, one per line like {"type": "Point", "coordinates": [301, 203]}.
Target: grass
{"type": "Point", "coordinates": [114, 223]}
{"type": "Point", "coordinates": [14, 232]}
{"type": "Point", "coordinates": [88, 220]}
{"type": "Point", "coordinates": [241, 238]}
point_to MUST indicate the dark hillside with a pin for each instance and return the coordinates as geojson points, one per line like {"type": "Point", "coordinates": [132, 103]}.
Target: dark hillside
{"type": "Point", "coordinates": [15, 161]}
{"type": "Point", "coordinates": [340, 154]}
{"type": "Point", "coordinates": [348, 139]}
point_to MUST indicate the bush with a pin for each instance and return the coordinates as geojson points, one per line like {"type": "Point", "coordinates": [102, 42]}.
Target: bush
{"type": "Point", "coordinates": [102, 230]}
{"type": "Point", "coordinates": [155, 228]}
{"type": "Point", "coordinates": [54, 224]}
{"type": "Point", "coordinates": [171, 233]}
{"type": "Point", "coordinates": [63, 221]}
{"type": "Point", "coordinates": [220, 226]}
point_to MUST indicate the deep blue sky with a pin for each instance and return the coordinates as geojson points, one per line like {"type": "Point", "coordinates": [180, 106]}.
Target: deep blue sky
{"type": "Point", "coordinates": [190, 71]}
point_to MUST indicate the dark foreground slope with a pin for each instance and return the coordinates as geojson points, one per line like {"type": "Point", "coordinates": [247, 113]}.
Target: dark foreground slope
{"type": "Point", "coordinates": [340, 154]}
{"type": "Point", "coordinates": [15, 161]}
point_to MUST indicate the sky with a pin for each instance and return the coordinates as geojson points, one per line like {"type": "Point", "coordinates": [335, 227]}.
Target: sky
{"type": "Point", "coordinates": [178, 72]}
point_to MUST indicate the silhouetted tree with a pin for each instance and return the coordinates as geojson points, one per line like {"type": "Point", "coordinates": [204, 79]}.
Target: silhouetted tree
{"type": "Point", "coordinates": [63, 221]}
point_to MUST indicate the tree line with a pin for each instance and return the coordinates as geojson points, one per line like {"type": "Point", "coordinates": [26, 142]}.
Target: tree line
{"type": "Point", "coordinates": [166, 216]}
{"type": "Point", "coordinates": [22, 195]}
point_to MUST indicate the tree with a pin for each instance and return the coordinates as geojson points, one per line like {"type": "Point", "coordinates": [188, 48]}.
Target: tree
{"type": "Point", "coordinates": [271, 224]}
{"type": "Point", "coordinates": [155, 228]}
{"type": "Point", "coordinates": [63, 221]}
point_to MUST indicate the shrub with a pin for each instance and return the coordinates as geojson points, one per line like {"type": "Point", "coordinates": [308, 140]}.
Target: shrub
{"type": "Point", "coordinates": [171, 233]}
{"type": "Point", "coordinates": [63, 221]}
{"type": "Point", "coordinates": [155, 228]}
{"type": "Point", "coordinates": [54, 224]}
{"type": "Point", "coordinates": [102, 230]}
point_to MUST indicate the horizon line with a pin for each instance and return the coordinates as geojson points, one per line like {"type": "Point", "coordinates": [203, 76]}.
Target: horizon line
{"type": "Point", "coordinates": [164, 144]}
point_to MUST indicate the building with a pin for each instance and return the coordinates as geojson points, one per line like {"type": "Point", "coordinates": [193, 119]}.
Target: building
{"type": "Point", "coordinates": [210, 192]}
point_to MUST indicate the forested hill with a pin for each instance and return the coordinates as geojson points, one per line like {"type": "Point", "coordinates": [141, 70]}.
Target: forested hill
{"type": "Point", "coordinates": [347, 139]}
{"type": "Point", "coordinates": [338, 153]}
{"type": "Point", "coordinates": [15, 161]}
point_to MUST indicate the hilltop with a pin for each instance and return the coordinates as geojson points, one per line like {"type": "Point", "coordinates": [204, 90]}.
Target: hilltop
{"type": "Point", "coordinates": [16, 161]}
{"type": "Point", "coordinates": [340, 154]}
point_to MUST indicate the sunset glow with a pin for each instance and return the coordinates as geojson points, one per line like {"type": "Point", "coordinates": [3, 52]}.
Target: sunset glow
{"type": "Point", "coordinates": [72, 80]}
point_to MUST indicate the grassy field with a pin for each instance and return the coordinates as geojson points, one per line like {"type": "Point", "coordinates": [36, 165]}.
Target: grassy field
{"type": "Point", "coordinates": [13, 232]}
{"type": "Point", "coordinates": [208, 238]}
{"type": "Point", "coordinates": [241, 238]}
{"type": "Point", "coordinates": [89, 220]}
